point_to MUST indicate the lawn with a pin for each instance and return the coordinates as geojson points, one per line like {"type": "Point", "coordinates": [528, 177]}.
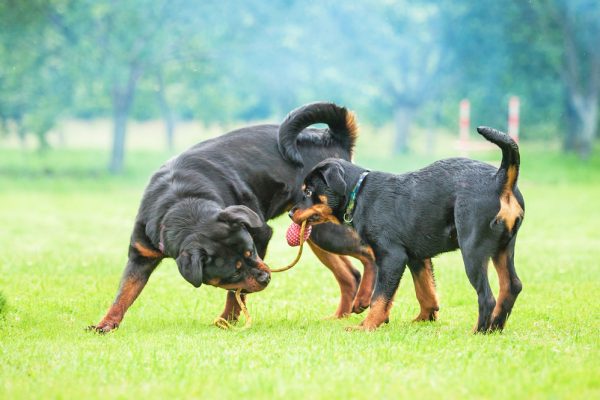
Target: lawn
{"type": "Point", "coordinates": [64, 232]}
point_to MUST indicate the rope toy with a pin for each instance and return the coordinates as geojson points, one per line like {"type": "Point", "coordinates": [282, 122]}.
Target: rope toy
{"type": "Point", "coordinates": [222, 323]}
{"type": "Point", "coordinates": [302, 240]}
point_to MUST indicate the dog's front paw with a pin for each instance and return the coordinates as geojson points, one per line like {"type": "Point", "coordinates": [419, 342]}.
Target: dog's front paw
{"type": "Point", "coordinates": [364, 326]}
{"type": "Point", "coordinates": [335, 316]}
{"type": "Point", "coordinates": [103, 327]}
{"type": "Point", "coordinates": [426, 316]}
{"type": "Point", "coordinates": [359, 305]}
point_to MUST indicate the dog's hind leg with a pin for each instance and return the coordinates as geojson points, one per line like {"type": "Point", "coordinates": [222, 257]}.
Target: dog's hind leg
{"type": "Point", "coordinates": [141, 264]}
{"type": "Point", "coordinates": [391, 266]}
{"type": "Point", "coordinates": [422, 274]}
{"type": "Point", "coordinates": [476, 264]}
{"type": "Point", "coordinates": [347, 277]}
{"type": "Point", "coordinates": [510, 285]}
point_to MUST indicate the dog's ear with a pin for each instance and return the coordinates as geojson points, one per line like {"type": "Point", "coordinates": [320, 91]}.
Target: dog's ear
{"type": "Point", "coordinates": [333, 174]}
{"type": "Point", "coordinates": [190, 266]}
{"type": "Point", "coordinates": [241, 215]}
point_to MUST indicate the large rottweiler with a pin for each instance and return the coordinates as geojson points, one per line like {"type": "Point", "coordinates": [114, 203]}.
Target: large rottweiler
{"type": "Point", "coordinates": [207, 208]}
{"type": "Point", "coordinates": [409, 218]}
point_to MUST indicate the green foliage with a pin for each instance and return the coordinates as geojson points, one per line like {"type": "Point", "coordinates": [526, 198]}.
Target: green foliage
{"type": "Point", "coordinates": [227, 61]}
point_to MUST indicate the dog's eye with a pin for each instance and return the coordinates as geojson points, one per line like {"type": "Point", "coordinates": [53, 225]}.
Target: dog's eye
{"type": "Point", "coordinates": [238, 265]}
{"type": "Point", "coordinates": [248, 254]}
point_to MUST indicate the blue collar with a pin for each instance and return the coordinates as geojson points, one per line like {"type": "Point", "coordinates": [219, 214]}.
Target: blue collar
{"type": "Point", "coordinates": [349, 213]}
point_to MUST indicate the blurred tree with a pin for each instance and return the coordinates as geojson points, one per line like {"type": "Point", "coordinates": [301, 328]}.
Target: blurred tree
{"type": "Point", "coordinates": [543, 51]}
{"type": "Point", "coordinates": [119, 44]}
{"type": "Point", "coordinates": [578, 23]}
{"type": "Point", "coordinates": [34, 74]}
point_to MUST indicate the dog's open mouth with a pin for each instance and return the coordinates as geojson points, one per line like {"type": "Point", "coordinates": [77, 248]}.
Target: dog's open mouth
{"type": "Point", "coordinates": [311, 215]}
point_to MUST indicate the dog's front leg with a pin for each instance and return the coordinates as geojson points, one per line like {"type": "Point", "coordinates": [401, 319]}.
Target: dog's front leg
{"type": "Point", "coordinates": [391, 265]}
{"type": "Point", "coordinates": [140, 265]}
{"type": "Point", "coordinates": [232, 310]}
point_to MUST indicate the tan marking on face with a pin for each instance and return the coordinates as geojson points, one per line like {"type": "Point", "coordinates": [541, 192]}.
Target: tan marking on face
{"type": "Point", "coordinates": [322, 211]}
{"type": "Point", "coordinates": [249, 284]}
{"type": "Point", "coordinates": [426, 293]}
{"type": "Point", "coordinates": [146, 252]}
{"type": "Point", "coordinates": [260, 264]}
{"type": "Point", "coordinates": [238, 264]}
{"type": "Point", "coordinates": [510, 209]}
{"type": "Point", "coordinates": [303, 187]}
{"type": "Point", "coordinates": [214, 282]}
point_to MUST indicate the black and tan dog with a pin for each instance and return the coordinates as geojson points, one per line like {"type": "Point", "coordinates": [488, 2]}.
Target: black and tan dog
{"type": "Point", "coordinates": [407, 219]}
{"type": "Point", "coordinates": [207, 208]}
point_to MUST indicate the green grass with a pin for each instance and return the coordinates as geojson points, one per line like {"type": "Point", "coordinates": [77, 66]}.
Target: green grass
{"type": "Point", "coordinates": [64, 237]}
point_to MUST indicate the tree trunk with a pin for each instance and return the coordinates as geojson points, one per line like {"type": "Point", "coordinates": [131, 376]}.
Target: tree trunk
{"type": "Point", "coordinates": [571, 126]}
{"type": "Point", "coordinates": [122, 98]}
{"type": "Point", "coordinates": [586, 111]}
{"type": "Point", "coordinates": [119, 131]}
{"type": "Point", "coordinates": [166, 112]}
{"type": "Point", "coordinates": [403, 116]}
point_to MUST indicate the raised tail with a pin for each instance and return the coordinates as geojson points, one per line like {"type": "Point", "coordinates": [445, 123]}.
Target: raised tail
{"type": "Point", "coordinates": [509, 167]}
{"type": "Point", "coordinates": [511, 211]}
{"type": "Point", "coordinates": [342, 128]}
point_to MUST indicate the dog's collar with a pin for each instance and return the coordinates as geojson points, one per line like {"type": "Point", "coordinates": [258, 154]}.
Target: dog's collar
{"type": "Point", "coordinates": [349, 213]}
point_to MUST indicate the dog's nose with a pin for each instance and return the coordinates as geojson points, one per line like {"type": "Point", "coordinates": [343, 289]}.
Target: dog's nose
{"type": "Point", "coordinates": [263, 278]}
{"type": "Point", "coordinates": [292, 211]}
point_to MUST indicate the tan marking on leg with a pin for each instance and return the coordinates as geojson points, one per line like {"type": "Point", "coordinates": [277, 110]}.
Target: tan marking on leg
{"type": "Point", "coordinates": [341, 268]}
{"type": "Point", "coordinates": [147, 252]}
{"type": "Point", "coordinates": [367, 283]}
{"type": "Point", "coordinates": [504, 294]}
{"type": "Point", "coordinates": [231, 312]}
{"type": "Point", "coordinates": [128, 292]}
{"type": "Point", "coordinates": [426, 293]}
{"type": "Point", "coordinates": [378, 314]}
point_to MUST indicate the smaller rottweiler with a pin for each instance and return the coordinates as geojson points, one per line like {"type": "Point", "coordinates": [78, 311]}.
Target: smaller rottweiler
{"type": "Point", "coordinates": [407, 219]}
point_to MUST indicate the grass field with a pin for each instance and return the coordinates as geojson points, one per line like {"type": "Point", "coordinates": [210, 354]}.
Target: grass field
{"type": "Point", "coordinates": [64, 232]}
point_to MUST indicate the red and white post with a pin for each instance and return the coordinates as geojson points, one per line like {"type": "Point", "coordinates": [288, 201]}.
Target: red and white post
{"type": "Point", "coordinates": [513, 117]}
{"type": "Point", "coordinates": [464, 124]}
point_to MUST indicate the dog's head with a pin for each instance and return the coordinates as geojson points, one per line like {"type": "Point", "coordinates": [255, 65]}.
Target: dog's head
{"type": "Point", "coordinates": [325, 194]}
{"type": "Point", "coordinates": [212, 245]}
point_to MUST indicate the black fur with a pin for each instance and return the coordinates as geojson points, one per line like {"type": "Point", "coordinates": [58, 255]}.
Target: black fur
{"type": "Point", "coordinates": [208, 207]}
{"type": "Point", "coordinates": [408, 218]}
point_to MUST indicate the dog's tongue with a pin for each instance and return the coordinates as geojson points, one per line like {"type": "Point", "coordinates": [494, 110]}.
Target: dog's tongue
{"type": "Point", "coordinates": [293, 234]}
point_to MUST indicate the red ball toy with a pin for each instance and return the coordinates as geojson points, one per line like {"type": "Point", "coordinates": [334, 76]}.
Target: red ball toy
{"type": "Point", "coordinates": [293, 234]}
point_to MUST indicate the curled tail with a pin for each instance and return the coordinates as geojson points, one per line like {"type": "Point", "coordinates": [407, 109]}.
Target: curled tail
{"type": "Point", "coordinates": [509, 168]}
{"type": "Point", "coordinates": [511, 212]}
{"type": "Point", "coordinates": [342, 128]}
